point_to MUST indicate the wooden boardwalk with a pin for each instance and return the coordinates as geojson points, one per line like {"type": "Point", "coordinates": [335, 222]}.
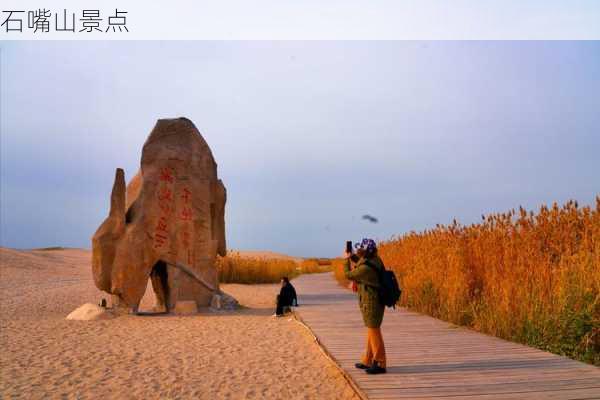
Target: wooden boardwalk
{"type": "Point", "coordinates": [429, 358]}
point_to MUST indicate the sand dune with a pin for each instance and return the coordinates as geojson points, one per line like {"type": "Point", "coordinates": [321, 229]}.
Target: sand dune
{"type": "Point", "coordinates": [244, 354]}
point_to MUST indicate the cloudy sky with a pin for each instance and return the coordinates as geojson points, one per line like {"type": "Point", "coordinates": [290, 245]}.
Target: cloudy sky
{"type": "Point", "coordinates": [309, 136]}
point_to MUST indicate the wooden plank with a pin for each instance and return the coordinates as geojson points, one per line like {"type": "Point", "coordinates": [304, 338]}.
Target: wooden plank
{"type": "Point", "coordinates": [429, 358]}
{"type": "Point", "coordinates": [575, 394]}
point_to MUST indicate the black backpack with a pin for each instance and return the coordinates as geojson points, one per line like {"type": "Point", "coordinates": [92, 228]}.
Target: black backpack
{"type": "Point", "coordinates": [389, 291]}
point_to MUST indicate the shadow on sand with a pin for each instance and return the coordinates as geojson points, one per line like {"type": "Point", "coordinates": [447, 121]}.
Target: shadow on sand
{"type": "Point", "coordinates": [205, 311]}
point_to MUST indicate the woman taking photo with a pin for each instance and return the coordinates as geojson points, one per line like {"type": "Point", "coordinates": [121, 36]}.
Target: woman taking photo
{"type": "Point", "coordinates": [365, 273]}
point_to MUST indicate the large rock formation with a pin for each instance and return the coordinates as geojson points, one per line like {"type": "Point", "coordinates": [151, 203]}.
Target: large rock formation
{"type": "Point", "coordinates": [168, 225]}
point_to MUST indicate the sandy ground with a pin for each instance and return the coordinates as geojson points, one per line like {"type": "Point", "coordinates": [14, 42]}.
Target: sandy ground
{"type": "Point", "coordinates": [245, 354]}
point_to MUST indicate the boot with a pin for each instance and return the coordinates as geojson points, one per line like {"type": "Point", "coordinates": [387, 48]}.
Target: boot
{"type": "Point", "coordinates": [361, 366]}
{"type": "Point", "coordinates": [375, 369]}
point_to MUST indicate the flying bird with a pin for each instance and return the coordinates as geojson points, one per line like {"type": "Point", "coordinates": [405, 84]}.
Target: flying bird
{"type": "Point", "coordinates": [370, 218]}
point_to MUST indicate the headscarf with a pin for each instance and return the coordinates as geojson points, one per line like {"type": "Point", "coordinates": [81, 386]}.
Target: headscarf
{"type": "Point", "coordinates": [367, 244]}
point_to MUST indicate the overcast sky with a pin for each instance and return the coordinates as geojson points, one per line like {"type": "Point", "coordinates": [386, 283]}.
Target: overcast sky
{"type": "Point", "coordinates": [308, 136]}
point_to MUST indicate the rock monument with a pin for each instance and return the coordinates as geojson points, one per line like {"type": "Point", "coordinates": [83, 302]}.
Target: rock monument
{"type": "Point", "coordinates": [167, 225]}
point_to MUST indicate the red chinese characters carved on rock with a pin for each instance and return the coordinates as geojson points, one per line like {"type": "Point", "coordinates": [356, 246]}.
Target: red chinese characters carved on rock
{"type": "Point", "coordinates": [165, 202]}
{"type": "Point", "coordinates": [166, 175]}
{"type": "Point", "coordinates": [186, 216]}
{"type": "Point", "coordinates": [165, 198]}
{"type": "Point", "coordinates": [186, 195]}
{"type": "Point", "coordinates": [186, 211]}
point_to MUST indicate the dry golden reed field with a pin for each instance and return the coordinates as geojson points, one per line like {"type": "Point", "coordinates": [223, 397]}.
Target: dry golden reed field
{"type": "Point", "coordinates": [238, 268]}
{"type": "Point", "coordinates": [529, 277]}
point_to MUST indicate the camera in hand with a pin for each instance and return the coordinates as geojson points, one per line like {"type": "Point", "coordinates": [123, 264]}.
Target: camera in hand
{"type": "Point", "coordinates": [353, 257]}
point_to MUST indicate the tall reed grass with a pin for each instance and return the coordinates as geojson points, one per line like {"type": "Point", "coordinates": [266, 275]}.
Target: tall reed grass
{"type": "Point", "coordinates": [338, 272]}
{"type": "Point", "coordinates": [529, 277]}
{"type": "Point", "coordinates": [237, 269]}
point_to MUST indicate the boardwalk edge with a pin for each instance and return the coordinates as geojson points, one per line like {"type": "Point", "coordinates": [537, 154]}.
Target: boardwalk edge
{"type": "Point", "coordinates": [362, 395]}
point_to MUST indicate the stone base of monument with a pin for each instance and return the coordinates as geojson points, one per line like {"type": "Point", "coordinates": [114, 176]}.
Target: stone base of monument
{"type": "Point", "coordinates": [186, 307]}
{"type": "Point", "coordinates": [90, 312]}
{"type": "Point", "coordinates": [118, 307]}
{"type": "Point", "coordinates": [159, 309]}
{"type": "Point", "coordinates": [223, 301]}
